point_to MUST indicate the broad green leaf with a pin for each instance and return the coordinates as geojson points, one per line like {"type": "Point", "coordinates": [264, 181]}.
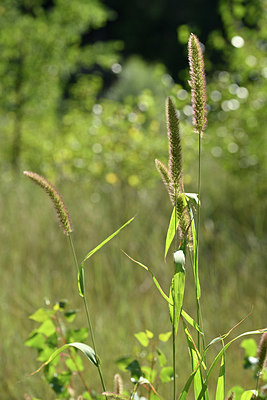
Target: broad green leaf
{"type": "Point", "coordinates": [247, 395]}
{"type": "Point", "coordinates": [135, 370]}
{"type": "Point", "coordinates": [164, 337]}
{"type": "Point", "coordinates": [47, 328]}
{"type": "Point", "coordinates": [75, 364]}
{"type": "Point", "coordinates": [191, 321]}
{"type": "Point", "coordinates": [161, 357]}
{"type": "Point", "coordinates": [84, 348]}
{"type": "Point", "coordinates": [41, 315]}
{"type": "Point", "coordinates": [35, 340]}
{"type": "Point", "coordinates": [70, 315]}
{"type": "Point", "coordinates": [77, 335]}
{"type": "Point", "coordinates": [250, 347]}
{"type": "Point", "coordinates": [220, 390]}
{"type": "Point", "coordinates": [92, 252]}
{"type": "Point", "coordinates": [237, 390]}
{"type": "Point", "coordinates": [81, 280]}
{"type": "Point", "coordinates": [153, 277]}
{"type": "Point", "coordinates": [166, 374]}
{"type": "Point", "coordinates": [149, 334]}
{"type": "Point", "coordinates": [142, 338]}
{"type": "Point", "coordinates": [123, 362]}
{"type": "Point", "coordinates": [177, 288]}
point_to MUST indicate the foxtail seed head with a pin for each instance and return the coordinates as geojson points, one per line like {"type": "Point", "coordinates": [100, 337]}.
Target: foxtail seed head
{"type": "Point", "coordinates": [262, 353]}
{"type": "Point", "coordinates": [175, 149]}
{"type": "Point", "coordinates": [61, 210]}
{"type": "Point", "coordinates": [198, 84]}
{"type": "Point", "coordinates": [118, 384]}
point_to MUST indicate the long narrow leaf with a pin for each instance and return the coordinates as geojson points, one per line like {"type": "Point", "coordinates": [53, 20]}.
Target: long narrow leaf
{"type": "Point", "coordinates": [188, 383]}
{"type": "Point", "coordinates": [92, 252]}
{"type": "Point", "coordinates": [153, 277]}
{"type": "Point", "coordinates": [191, 321]}
{"type": "Point", "coordinates": [170, 232]}
{"type": "Point", "coordinates": [84, 348]}
{"type": "Point", "coordinates": [220, 390]}
{"type": "Point", "coordinates": [81, 281]}
{"type": "Point", "coordinates": [177, 288]}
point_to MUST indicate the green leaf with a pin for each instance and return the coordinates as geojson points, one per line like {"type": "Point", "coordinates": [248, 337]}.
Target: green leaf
{"type": "Point", "coordinates": [195, 361]}
{"type": "Point", "coordinates": [194, 234]}
{"type": "Point", "coordinates": [41, 315]}
{"type": "Point", "coordinates": [161, 357]}
{"type": "Point", "coordinates": [47, 328]}
{"type": "Point", "coordinates": [170, 232]}
{"type": "Point", "coordinates": [142, 338]}
{"type": "Point", "coordinates": [250, 347]}
{"type": "Point", "coordinates": [153, 277]}
{"type": "Point", "coordinates": [135, 370]}
{"type": "Point", "coordinates": [247, 395]}
{"type": "Point", "coordinates": [238, 390]}
{"type": "Point", "coordinates": [149, 334]}
{"type": "Point", "coordinates": [191, 321]}
{"type": "Point", "coordinates": [81, 280]}
{"type": "Point", "coordinates": [177, 288]}
{"type": "Point", "coordinates": [35, 340]}
{"type": "Point", "coordinates": [123, 362]}
{"type": "Point", "coordinates": [166, 374]}
{"type": "Point", "coordinates": [220, 390]}
{"type": "Point", "coordinates": [149, 373]}
{"type": "Point", "coordinates": [84, 348]}
{"type": "Point", "coordinates": [187, 385]}
{"type": "Point", "coordinates": [92, 252]}
{"type": "Point", "coordinates": [164, 337]}
{"type": "Point", "coordinates": [77, 335]}
{"type": "Point", "coordinates": [70, 315]}
{"type": "Point", "coordinates": [75, 364]}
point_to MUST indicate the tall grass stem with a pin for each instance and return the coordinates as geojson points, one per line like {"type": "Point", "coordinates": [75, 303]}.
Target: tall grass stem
{"type": "Point", "coordinates": [88, 317]}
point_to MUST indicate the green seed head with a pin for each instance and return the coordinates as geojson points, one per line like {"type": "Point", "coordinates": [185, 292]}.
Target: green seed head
{"type": "Point", "coordinates": [61, 210]}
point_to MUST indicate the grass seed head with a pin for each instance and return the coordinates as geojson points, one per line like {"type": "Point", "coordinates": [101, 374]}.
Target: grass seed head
{"type": "Point", "coordinates": [262, 352]}
{"type": "Point", "coordinates": [198, 84]}
{"type": "Point", "coordinates": [118, 384]}
{"type": "Point", "coordinates": [175, 150]}
{"type": "Point", "coordinates": [61, 210]}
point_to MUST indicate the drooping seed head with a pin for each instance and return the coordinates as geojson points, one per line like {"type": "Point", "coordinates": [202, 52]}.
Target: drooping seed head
{"type": "Point", "coordinates": [61, 210]}
{"type": "Point", "coordinates": [167, 180]}
{"type": "Point", "coordinates": [198, 84]}
{"type": "Point", "coordinates": [262, 352]}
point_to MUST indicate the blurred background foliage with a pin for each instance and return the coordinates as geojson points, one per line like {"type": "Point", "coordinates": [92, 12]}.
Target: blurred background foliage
{"type": "Point", "coordinates": [83, 86]}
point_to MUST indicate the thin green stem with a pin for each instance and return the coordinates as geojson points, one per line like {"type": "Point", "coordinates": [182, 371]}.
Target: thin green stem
{"type": "Point", "coordinates": [197, 234]}
{"type": "Point", "coordinates": [174, 307]}
{"type": "Point", "coordinates": [88, 317]}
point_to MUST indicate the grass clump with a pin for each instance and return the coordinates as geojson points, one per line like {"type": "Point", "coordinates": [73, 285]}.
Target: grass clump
{"type": "Point", "coordinates": [152, 372]}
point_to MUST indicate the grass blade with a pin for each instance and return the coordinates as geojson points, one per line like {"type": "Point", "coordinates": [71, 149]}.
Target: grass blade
{"type": "Point", "coordinates": [177, 288]}
{"type": "Point", "coordinates": [92, 252]}
{"type": "Point", "coordinates": [220, 390]}
{"type": "Point", "coordinates": [191, 321]}
{"type": "Point", "coordinates": [84, 348]}
{"type": "Point", "coordinates": [153, 277]}
{"type": "Point", "coordinates": [81, 281]}
{"type": "Point", "coordinates": [170, 232]}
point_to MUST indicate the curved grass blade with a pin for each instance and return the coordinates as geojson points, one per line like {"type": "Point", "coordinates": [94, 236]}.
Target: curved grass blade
{"type": "Point", "coordinates": [195, 360]}
{"type": "Point", "coordinates": [81, 281]}
{"type": "Point", "coordinates": [153, 277]}
{"type": "Point", "coordinates": [187, 385]}
{"type": "Point", "coordinates": [194, 235]}
{"type": "Point", "coordinates": [92, 252]}
{"type": "Point", "coordinates": [84, 348]}
{"type": "Point", "coordinates": [170, 232]}
{"type": "Point", "coordinates": [191, 321]}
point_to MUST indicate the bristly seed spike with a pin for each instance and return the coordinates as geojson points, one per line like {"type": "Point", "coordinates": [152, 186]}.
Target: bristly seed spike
{"type": "Point", "coordinates": [198, 84]}
{"type": "Point", "coordinates": [56, 199]}
{"type": "Point", "coordinates": [175, 150]}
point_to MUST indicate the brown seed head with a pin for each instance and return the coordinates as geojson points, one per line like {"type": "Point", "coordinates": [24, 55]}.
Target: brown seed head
{"type": "Point", "coordinates": [198, 84]}
{"type": "Point", "coordinates": [262, 352]}
{"type": "Point", "coordinates": [61, 210]}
